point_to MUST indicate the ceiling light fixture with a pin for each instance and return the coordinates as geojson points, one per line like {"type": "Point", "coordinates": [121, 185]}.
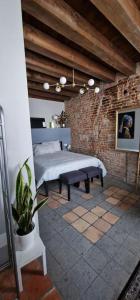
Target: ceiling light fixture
{"type": "Point", "coordinates": [63, 83]}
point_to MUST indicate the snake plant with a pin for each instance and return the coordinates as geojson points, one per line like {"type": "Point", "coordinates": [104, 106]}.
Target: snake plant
{"type": "Point", "coordinates": [24, 208]}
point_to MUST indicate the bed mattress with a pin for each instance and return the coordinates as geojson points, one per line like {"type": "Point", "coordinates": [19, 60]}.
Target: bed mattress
{"type": "Point", "coordinates": [50, 166]}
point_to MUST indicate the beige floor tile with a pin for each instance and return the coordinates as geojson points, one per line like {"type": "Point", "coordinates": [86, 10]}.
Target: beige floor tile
{"type": "Point", "coordinates": [55, 196]}
{"type": "Point", "coordinates": [99, 211]}
{"type": "Point", "coordinates": [87, 196]}
{"type": "Point", "coordinates": [93, 234]}
{"type": "Point", "coordinates": [80, 225]}
{"type": "Point", "coordinates": [80, 210]}
{"type": "Point", "coordinates": [113, 200]}
{"type": "Point", "coordinates": [53, 204]}
{"type": "Point", "coordinates": [123, 192]}
{"type": "Point", "coordinates": [113, 188]}
{"type": "Point", "coordinates": [102, 225]}
{"type": "Point", "coordinates": [62, 201]}
{"type": "Point", "coordinates": [108, 192]}
{"type": "Point", "coordinates": [90, 217]}
{"type": "Point", "coordinates": [70, 217]}
{"type": "Point", "coordinates": [117, 196]}
{"type": "Point", "coordinates": [110, 218]}
{"type": "Point", "coordinates": [134, 196]}
{"type": "Point", "coordinates": [40, 196]}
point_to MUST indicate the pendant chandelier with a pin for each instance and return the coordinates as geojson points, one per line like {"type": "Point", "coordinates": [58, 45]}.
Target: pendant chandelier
{"type": "Point", "coordinates": [83, 87]}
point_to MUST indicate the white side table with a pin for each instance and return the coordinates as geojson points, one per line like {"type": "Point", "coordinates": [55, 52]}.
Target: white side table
{"type": "Point", "coordinates": [26, 256]}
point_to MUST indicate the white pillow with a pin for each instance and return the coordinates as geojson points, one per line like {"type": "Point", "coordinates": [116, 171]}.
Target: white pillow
{"type": "Point", "coordinates": [54, 144]}
{"type": "Point", "coordinates": [46, 148]}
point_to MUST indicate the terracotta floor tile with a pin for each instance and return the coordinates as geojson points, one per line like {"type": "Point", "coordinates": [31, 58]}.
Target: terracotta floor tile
{"type": "Point", "coordinates": [34, 283]}
{"type": "Point", "coordinates": [117, 196]}
{"type": "Point", "coordinates": [9, 296]}
{"type": "Point", "coordinates": [96, 181]}
{"type": "Point", "coordinates": [82, 184]}
{"type": "Point", "coordinates": [87, 196]}
{"type": "Point", "coordinates": [53, 204]}
{"type": "Point", "coordinates": [129, 200]}
{"type": "Point", "coordinates": [93, 234]}
{"type": "Point", "coordinates": [134, 196]}
{"type": "Point", "coordinates": [80, 225]}
{"type": "Point", "coordinates": [123, 192]}
{"type": "Point", "coordinates": [41, 197]}
{"type": "Point", "coordinates": [80, 210]}
{"type": "Point", "coordinates": [53, 295]}
{"type": "Point", "coordinates": [25, 296]}
{"type": "Point", "coordinates": [90, 217]}
{"type": "Point", "coordinates": [64, 192]}
{"type": "Point", "coordinates": [112, 200]}
{"type": "Point", "coordinates": [55, 196]}
{"type": "Point", "coordinates": [113, 189]}
{"type": "Point", "coordinates": [125, 206]}
{"type": "Point", "coordinates": [62, 201]}
{"type": "Point", "coordinates": [99, 211]}
{"type": "Point", "coordinates": [110, 218]}
{"type": "Point", "coordinates": [43, 285]}
{"type": "Point", "coordinates": [108, 192]}
{"type": "Point", "coordinates": [70, 217]}
{"type": "Point", "coordinates": [102, 225]}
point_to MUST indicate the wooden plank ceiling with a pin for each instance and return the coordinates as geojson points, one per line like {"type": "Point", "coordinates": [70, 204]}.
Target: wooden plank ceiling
{"type": "Point", "coordinates": [96, 38]}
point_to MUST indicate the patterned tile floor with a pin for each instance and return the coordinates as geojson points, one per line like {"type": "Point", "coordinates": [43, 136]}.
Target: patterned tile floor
{"type": "Point", "coordinates": [36, 286]}
{"type": "Point", "coordinates": [92, 241]}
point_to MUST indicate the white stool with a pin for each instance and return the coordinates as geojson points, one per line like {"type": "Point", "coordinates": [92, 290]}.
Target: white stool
{"type": "Point", "coordinates": [26, 256]}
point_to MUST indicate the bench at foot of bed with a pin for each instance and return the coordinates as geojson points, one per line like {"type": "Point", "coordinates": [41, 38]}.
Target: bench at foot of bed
{"type": "Point", "coordinates": [93, 172]}
{"type": "Point", "coordinates": [73, 177]}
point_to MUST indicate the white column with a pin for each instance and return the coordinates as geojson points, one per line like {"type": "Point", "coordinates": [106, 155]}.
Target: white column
{"type": "Point", "coordinates": [13, 89]}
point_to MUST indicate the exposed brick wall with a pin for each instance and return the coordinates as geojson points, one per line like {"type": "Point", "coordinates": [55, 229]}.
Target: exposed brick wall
{"type": "Point", "coordinates": [92, 119]}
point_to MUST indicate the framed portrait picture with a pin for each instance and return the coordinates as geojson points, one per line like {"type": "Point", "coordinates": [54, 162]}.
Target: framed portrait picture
{"type": "Point", "coordinates": [128, 129]}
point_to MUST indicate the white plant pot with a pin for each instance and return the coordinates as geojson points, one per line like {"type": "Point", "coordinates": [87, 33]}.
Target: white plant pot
{"type": "Point", "coordinates": [24, 242]}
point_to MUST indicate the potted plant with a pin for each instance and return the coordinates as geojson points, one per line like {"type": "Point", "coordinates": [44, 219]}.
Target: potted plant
{"type": "Point", "coordinates": [24, 209]}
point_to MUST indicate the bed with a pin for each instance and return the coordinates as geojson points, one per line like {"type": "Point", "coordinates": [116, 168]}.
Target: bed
{"type": "Point", "coordinates": [49, 166]}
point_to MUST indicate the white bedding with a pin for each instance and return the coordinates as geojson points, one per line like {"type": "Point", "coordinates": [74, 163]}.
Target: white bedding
{"type": "Point", "coordinates": [50, 166]}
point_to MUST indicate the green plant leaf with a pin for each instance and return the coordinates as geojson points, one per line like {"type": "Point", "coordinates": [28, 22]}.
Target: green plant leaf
{"type": "Point", "coordinates": [29, 174]}
{"type": "Point", "coordinates": [31, 202]}
{"type": "Point", "coordinates": [39, 205]}
{"type": "Point", "coordinates": [15, 214]}
{"type": "Point", "coordinates": [26, 196]}
{"type": "Point", "coordinates": [19, 189]}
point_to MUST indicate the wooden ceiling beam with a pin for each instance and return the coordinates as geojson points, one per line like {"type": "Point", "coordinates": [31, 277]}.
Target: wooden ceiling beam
{"type": "Point", "coordinates": [124, 15]}
{"type": "Point", "coordinates": [43, 97]}
{"type": "Point", "coordinates": [50, 67]}
{"type": "Point", "coordinates": [42, 78]}
{"type": "Point", "coordinates": [39, 87]}
{"type": "Point", "coordinates": [47, 96]}
{"type": "Point", "coordinates": [62, 18]}
{"type": "Point", "coordinates": [44, 44]}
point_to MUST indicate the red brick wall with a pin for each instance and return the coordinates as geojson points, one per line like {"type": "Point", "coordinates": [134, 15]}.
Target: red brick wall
{"type": "Point", "coordinates": [92, 119]}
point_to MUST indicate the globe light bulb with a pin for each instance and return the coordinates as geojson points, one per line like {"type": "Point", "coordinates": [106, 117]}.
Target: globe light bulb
{"type": "Point", "coordinates": [81, 91]}
{"type": "Point", "coordinates": [97, 90]}
{"type": "Point", "coordinates": [58, 89]}
{"type": "Point", "coordinates": [46, 86]}
{"type": "Point", "coordinates": [63, 80]}
{"type": "Point", "coordinates": [91, 82]}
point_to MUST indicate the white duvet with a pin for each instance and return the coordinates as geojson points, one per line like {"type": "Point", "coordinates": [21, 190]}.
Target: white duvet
{"type": "Point", "coordinates": [50, 166]}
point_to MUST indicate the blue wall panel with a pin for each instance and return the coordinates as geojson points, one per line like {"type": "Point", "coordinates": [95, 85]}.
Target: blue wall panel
{"type": "Point", "coordinates": [40, 135]}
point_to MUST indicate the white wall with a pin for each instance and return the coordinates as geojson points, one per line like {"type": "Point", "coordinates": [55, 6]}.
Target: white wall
{"type": "Point", "coordinates": [44, 109]}
{"type": "Point", "coordinates": [13, 89]}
